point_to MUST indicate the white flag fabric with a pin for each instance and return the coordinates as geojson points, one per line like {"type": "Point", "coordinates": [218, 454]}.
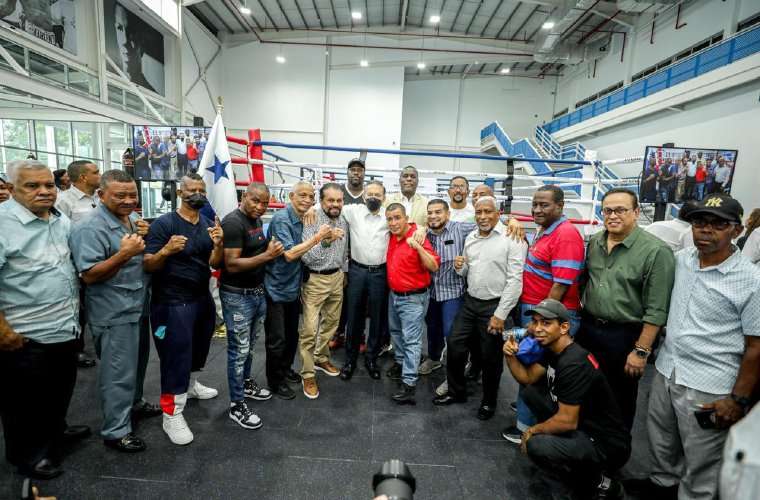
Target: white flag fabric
{"type": "Point", "coordinates": [216, 170]}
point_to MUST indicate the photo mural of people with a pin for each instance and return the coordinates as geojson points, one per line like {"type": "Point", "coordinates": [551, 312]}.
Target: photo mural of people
{"type": "Point", "coordinates": [53, 21]}
{"type": "Point", "coordinates": [135, 46]}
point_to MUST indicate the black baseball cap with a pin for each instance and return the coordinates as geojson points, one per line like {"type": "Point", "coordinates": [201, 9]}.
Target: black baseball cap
{"type": "Point", "coordinates": [356, 161]}
{"type": "Point", "coordinates": [719, 205]}
{"type": "Point", "coordinates": [550, 309]}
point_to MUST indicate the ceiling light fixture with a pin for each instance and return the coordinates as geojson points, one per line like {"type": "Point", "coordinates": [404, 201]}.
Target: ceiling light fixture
{"type": "Point", "coordinates": [547, 25]}
{"type": "Point", "coordinates": [244, 9]}
{"type": "Point", "coordinates": [504, 71]}
{"type": "Point", "coordinates": [364, 63]}
{"type": "Point", "coordinates": [356, 15]}
{"type": "Point", "coordinates": [280, 59]}
{"type": "Point", "coordinates": [421, 65]}
{"type": "Point", "coordinates": [435, 19]}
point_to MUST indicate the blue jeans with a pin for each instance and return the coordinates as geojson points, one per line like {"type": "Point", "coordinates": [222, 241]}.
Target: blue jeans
{"type": "Point", "coordinates": [700, 190]}
{"type": "Point", "coordinates": [242, 316]}
{"type": "Point", "coordinates": [525, 417]}
{"type": "Point", "coordinates": [439, 318]}
{"type": "Point", "coordinates": [406, 315]}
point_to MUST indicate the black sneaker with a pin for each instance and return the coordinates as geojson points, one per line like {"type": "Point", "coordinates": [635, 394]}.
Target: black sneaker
{"type": "Point", "coordinates": [394, 372]}
{"type": "Point", "coordinates": [608, 489]}
{"type": "Point", "coordinates": [284, 391]}
{"type": "Point", "coordinates": [405, 395]}
{"type": "Point", "coordinates": [512, 434]}
{"type": "Point", "coordinates": [293, 377]}
{"type": "Point", "coordinates": [253, 391]}
{"type": "Point", "coordinates": [240, 413]}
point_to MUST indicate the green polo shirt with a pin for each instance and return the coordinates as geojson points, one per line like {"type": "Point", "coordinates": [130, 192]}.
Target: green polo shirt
{"type": "Point", "coordinates": [632, 284]}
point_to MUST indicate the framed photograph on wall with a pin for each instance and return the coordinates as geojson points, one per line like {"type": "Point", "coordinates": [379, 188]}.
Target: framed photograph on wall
{"type": "Point", "coordinates": [53, 21]}
{"type": "Point", "coordinates": [135, 46]}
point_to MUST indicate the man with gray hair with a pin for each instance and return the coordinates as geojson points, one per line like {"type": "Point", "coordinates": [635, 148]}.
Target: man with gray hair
{"type": "Point", "coordinates": [108, 254]}
{"type": "Point", "coordinates": [494, 284]}
{"type": "Point", "coordinates": [39, 305]}
{"type": "Point", "coordinates": [5, 188]}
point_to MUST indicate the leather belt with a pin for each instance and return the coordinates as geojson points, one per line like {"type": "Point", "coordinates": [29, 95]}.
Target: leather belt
{"type": "Point", "coordinates": [326, 271]}
{"type": "Point", "coordinates": [259, 290]}
{"type": "Point", "coordinates": [411, 292]}
{"type": "Point", "coordinates": [372, 269]}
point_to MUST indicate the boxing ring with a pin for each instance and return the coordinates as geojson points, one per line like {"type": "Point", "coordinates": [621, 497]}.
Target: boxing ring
{"type": "Point", "coordinates": [503, 184]}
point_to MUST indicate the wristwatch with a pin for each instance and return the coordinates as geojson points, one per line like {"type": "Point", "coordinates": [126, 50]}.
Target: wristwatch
{"type": "Point", "coordinates": [745, 403]}
{"type": "Point", "coordinates": [642, 353]}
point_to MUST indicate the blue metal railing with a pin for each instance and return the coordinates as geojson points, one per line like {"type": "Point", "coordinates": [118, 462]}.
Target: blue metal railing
{"type": "Point", "coordinates": [525, 149]}
{"type": "Point", "coordinates": [739, 46]}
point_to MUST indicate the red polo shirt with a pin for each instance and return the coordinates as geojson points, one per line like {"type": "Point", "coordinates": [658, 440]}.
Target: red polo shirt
{"type": "Point", "coordinates": [556, 256]}
{"type": "Point", "coordinates": [405, 269]}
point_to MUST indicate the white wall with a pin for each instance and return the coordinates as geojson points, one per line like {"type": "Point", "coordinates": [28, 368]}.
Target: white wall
{"type": "Point", "coordinates": [198, 102]}
{"type": "Point", "coordinates": [727, 120]}
{"type": "Point", "coordinates": [449, 114]}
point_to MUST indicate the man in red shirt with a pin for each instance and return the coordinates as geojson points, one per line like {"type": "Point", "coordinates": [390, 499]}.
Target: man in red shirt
{"type": "Point", "coordinates": [552, 267]}
{"type": "Point", "coordinates": [409, 265]}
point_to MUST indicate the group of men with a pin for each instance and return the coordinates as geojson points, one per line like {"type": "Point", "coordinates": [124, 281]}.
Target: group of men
{"type": "Point", "coordinates": [676, 180]}
{"type": "Point", "coordinates": [455, 267]}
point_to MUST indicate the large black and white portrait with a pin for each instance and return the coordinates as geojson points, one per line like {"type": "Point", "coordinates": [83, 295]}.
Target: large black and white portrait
{"type": "Point", "coordinates": [135, 46]}
{"type": "Point", "coordinates": [53, 21]}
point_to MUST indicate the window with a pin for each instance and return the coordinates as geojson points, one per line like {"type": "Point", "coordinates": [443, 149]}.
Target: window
{"type": "Point", "coordinates": [53, 143]}
{"type": "Point", "coordinates": [48, 69]}
{"type": "Point", "coordinates": [750, 21]}
{"type": "Point", "coordinates": [85, 140]}
{"type": "Point", "coordinates": [560, 113]}
{"type": "Point", "coordinates": [14, 141]}
{"type": "Point", "coordinates": [115, 96]}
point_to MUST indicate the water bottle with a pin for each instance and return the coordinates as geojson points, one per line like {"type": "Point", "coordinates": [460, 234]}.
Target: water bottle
{"type": "Point", "coordinates": [517, 332]}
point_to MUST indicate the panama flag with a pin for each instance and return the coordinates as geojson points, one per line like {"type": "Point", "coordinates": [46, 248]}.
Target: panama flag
{"type": "Point", "coordinates": [216, 170]}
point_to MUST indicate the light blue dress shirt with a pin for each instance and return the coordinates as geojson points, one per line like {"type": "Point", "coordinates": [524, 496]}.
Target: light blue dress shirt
{"type": "Point", "coordinates": [711, 311]}
{"type": "Point", "coordinates": [39, 289]}
{"type": "Point", "coordinates": [120, 299]}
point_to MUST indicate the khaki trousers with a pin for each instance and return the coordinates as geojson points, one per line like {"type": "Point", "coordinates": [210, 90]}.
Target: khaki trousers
{"type": "Point", "coordinates": [322, 298]}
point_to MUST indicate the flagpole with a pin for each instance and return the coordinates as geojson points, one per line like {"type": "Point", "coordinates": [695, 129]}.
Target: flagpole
{"type": "Point", "coordinates": [219, 105]}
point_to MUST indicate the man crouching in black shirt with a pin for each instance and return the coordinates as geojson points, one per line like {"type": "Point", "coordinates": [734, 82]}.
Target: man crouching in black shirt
{"type": "Point", "coordinates": [581, 431]}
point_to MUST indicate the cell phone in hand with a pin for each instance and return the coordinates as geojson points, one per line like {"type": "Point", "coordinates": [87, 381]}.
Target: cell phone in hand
{"type": "Point", "coordinates": [705, 418]}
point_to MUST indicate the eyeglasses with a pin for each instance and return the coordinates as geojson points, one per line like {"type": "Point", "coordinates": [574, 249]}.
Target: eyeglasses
{"type": "Point", "coordinates": [717, 224]}
{"type": "Point", "coordinates": [458, 188]}
{"type": "Point", "coordinates": [617, 211]}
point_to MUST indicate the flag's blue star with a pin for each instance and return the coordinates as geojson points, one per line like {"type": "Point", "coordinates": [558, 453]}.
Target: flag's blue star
{"type": "Point", "coordinates": [219, 169]}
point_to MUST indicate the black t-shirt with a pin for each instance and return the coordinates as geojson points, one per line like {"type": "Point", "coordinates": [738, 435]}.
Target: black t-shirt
{"type": "Point", "coordinates": [348, 198]}
{"type": "Point", "coordinates": [185, 275]}
{"type": "Point", "coordinates": [574, 378]}
{"type": "Point", "coordinates": [240, 231]}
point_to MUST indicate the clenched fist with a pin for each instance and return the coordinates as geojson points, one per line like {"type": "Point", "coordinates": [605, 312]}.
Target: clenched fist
{"type": "Point", "coordinates": [459, 262]}
{"type": "Point", "coordinates": [131, 245]}
{"type": "Point", "coordinates": [142, 227]}
{"type": "Point", "coordinates": [175, 244]}
{"type": "Point", "coordinates": [324, 232]}
{"type": "Point", "coordinates": [274, 249]}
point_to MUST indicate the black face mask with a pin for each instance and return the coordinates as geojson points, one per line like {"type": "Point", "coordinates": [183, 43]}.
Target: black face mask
{"type": "Point", "coordinates": [373, 204]}
{"type": "Point", "coordinates": [195, 201]}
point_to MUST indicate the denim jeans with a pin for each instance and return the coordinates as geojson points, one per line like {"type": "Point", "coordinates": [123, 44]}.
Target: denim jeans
{"type": "Point", "coordinates": [525, 417]}
{"type": "Point", "coordinates": [439, 319]}
{"type": "Point", "coordinates": [406, 315]}
{"type": "Point", "coordinates": [242, 316]}
{"type": "Point", "coordinates": [700, 190]}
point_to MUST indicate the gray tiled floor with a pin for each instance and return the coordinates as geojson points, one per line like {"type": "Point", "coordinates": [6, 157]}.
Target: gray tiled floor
{"type": "Point", "coordinates": [328, 448]}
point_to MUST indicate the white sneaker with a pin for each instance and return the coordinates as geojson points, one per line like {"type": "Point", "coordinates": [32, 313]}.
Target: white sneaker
{"type": "Point", "coordinates": [240, 413]}
{"type": "Point", "coordinates": [176, 428]}
{"type": "Point", "coordinates": [200, 391]}
{"type": "Point", "coordinates": [442, 389]}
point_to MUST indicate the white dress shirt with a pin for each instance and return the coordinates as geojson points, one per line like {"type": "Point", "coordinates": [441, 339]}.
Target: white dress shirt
{"type": "Point", "coordinates": [676, 233]}
{"type": "Point", "coordinates": [494, 268]}
{"type": "Point", "coordinates": [752, 247]}
{"type": "Point", "coordinates": [369, 234]}
{"type": "Point", "coordinates": [75, 204]}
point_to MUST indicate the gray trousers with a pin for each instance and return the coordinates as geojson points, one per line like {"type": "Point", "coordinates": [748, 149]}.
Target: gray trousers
{"type": "Point", "coordinates": [117, 347]}
{"type": "Point", "coordinates": [683, 452]}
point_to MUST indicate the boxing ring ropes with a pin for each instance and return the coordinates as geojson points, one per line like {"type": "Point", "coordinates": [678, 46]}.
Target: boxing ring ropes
{"type": "Point", "coordinates": [323, 172]}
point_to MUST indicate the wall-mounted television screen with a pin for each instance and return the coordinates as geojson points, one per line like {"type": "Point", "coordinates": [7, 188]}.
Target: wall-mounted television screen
{"type": "Point", "coordinates": [678, 174]}
{"type": "Point", "coordinates": [167, 152]}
